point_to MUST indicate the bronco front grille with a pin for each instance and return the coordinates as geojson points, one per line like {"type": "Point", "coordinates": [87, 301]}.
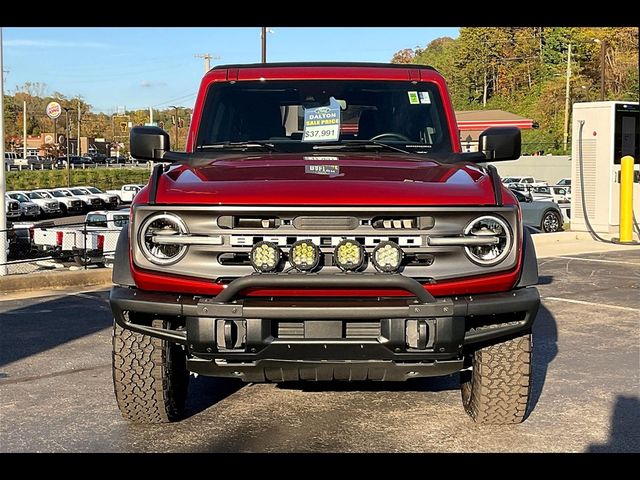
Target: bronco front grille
{"type": "Point", "coordinates": [233, 231]}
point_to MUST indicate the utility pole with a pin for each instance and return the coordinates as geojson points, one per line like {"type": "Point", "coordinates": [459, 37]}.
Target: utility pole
{"type": "Point", "coordinates": [3, 208]}
{"type": "Point", "coordinates": [24, 129]}
{"type": "Point", "coordinates": [79, 148]}
{"type": "Point", "coordinates": [603, 47]}
{"type": "Point", "coordinates": [176, 126]}
{"type": "Point", "coordinates": [207, 60]}
{"type": "Point", "coordinates": [66, 111]}
{"type": "Point", "coordinates": [567, 92]}
{"type": "Point", "coordinates": [263, 36]}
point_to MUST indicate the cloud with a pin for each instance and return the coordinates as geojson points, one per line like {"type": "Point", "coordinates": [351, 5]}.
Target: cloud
{"type": "Point", "coordinates": [54, 44]}
{"type": "Point", "coordinates": [149, 84]}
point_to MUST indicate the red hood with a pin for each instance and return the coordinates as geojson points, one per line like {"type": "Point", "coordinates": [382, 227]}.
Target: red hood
{"type": "Point", "coordinates": [354, 179]}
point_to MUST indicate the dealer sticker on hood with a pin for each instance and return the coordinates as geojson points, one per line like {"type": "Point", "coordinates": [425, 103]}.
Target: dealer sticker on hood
{"type": "Point", "coordinates": [331, 170]}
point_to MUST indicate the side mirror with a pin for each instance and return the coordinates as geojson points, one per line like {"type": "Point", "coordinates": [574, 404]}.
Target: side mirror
{"type": "Point", "coordinates": [500, 143]}
{"type": "Point", "coordinates": [149, 143]}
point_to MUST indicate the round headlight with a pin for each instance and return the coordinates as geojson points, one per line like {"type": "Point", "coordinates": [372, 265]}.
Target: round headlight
{"type": "Point", "coordinates": [387, 257]}
{"type": "Point", "coordinates": [349, 255]}
{"type": "Point", "coordinates": [265, 257]}
{"type": "Point", "coordinates": [162, 226]}
{"type": "Point", "coordinates": [489, 226]}
{"type": "Point", "coordinates": [304, 255]}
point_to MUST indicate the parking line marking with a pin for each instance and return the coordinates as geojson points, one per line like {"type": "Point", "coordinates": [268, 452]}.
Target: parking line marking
{"type": "Point", "coordinates": [597, 260]}
{"type": "Point", "coordinates": [582, 302]}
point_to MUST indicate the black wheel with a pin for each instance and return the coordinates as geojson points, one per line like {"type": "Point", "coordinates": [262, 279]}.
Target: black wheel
{"type": "Point", "coordinates": [497, 388]}
{"type": "Point", "coordinates": [551, 222]}
{"type": "Point", "coordinates": [150, 376]}
{"type": "Point", "coordinates": [63, 210]}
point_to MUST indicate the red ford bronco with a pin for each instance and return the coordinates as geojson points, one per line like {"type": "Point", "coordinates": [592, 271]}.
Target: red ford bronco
{"type": "Point", "coordinates": [323, 224]}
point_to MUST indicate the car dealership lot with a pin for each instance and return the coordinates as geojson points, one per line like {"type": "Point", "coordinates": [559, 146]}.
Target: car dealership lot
{"type": "Point", "coordinates": [56, 392]}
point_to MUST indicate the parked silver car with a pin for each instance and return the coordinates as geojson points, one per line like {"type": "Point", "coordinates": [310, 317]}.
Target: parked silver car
{"type": "Point", "coordinates": [543, 214]}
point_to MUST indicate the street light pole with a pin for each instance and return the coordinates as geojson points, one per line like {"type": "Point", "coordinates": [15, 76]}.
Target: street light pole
{"type": "Point", "coordinates": [264, 44]}
{"type": "Point", "coordinates": [3, 211]}
{"type": "Point", "coordinates": [176, 126]}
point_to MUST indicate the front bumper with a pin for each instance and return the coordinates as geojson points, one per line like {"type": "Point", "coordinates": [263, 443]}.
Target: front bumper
{"type": "Point", "coordinates": [278, 339]}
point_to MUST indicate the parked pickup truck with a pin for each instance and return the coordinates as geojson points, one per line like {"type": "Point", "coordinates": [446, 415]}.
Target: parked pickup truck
{"type": "Point", "coordinates": [126, 192]}
{"type": "Point", "coordinates": [12, 208]}
{"type": "Point", "coordinates": [93, 242]}
{"type": "Point", "coordinates": [280, 247]}
{"type": "Point", "coordinates": [69, 205]}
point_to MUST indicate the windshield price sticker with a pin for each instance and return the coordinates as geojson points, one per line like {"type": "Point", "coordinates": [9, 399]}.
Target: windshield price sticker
{"type": "Point", "coordinates": [322, 124]}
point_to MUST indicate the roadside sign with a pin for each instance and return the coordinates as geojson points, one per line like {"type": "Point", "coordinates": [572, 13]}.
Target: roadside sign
{"type": "Point", "coordinates": [53, 110]}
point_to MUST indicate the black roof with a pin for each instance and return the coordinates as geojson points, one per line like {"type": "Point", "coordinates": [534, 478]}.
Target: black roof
{"type": "Point", "coordinates": [324, 64]}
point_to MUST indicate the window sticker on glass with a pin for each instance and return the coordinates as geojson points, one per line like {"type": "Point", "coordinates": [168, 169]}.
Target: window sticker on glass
{"type": "Point", "coordinates": [424, 97]}
{"type": "Point", "coordinates": [322, 124]}
{"type": "Point", "coordinates": [413, 98]}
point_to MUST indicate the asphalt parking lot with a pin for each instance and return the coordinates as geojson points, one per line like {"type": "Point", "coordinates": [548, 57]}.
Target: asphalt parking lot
{"type": "Point", "coordinates": [56, 392]}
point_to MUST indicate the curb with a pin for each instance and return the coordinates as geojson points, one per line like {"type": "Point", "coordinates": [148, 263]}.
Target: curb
{"type": "Point", "coordinates": [55, 280]}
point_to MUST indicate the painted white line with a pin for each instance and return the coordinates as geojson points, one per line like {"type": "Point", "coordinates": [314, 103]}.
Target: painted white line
{"type": "Point", "coordinates": [582, 302]}
{"type": "Point", "coordinates": [596, 260]}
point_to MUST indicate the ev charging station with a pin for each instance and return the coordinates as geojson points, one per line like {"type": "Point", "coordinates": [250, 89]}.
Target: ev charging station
{"type": "Point", "coordinates": [603, 133]}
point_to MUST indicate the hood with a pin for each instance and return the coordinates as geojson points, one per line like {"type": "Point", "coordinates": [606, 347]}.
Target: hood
{"type": "Point", "coordinates": [343, 179]}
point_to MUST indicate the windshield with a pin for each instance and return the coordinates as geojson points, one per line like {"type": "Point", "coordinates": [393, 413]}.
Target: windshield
{"type": "Point", "coordinates": [301, 115]}
{"type": "Point", "coordinates": [46, 194]}
{"type": "Point", "coordinates": [96, 220]}
{"type": "Point", "coordinates": [35, 195]}
{"type": "Point", "coordinates": [120, 220]}
{"type": "Point", "coordinates": [21, 197]}
{"type": "Point", "coordinates": [77, 191]}
{"type": "Point", "coordinates": [93, 190]}
{"type": "Point", "coordinates": [57, 193]}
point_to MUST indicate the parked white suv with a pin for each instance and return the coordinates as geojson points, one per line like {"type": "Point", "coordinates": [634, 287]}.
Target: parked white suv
{"type": "Point", "coordinates": [12, 207]}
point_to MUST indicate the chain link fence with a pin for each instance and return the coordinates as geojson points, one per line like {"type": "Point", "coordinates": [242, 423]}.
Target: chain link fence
{"type": "Point", "coordinates": [33, 248]}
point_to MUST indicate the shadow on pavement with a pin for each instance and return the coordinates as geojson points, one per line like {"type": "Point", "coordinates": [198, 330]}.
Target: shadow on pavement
{"type": "Point", "coordinates": [625, 427]}
{"type": "Point", "coordinates": [545, 350]}
{"type": "Point", "coordinates": [434, 384]}
{"type": "Point", "coordinates": [204, 392]}
{"type": "Point", "coordinates": [40, 326]}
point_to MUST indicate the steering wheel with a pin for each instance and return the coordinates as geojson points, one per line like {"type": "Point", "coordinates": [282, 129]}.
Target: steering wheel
{"type": "Point", "coordinates": [391, 134]}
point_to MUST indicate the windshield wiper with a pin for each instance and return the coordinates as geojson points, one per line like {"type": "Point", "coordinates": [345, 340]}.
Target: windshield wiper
{"type": "Point", "coordinates": [360, 143]}
{"type": "Point", "coordinates": [240, 145]}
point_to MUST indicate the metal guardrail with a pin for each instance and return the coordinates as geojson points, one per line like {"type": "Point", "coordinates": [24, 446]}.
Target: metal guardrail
{"type": "Point", "coordinates": [25, 257]}
{"type": "Point", "coordinates": [84, 166]}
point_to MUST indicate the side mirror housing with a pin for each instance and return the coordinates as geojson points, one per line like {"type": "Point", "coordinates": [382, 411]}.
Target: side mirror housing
{"type": "Point", "coordinates": [500, 143]}
{"type": "Point", "coordinates": [149, 143]}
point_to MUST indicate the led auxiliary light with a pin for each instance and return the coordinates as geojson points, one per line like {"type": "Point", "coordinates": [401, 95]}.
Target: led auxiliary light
{"type": "Point", "coordinates": [349, 255]}
{"type": "Point", "coordinates": [304, 255]}
{"type": "Point", "coordinates": [387, 257]}
{"type": "Point", "coordinates": [265, 257]}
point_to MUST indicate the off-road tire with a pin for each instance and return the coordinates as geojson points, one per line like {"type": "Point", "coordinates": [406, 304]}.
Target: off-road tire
{"type": "Point", "coordinates": [496, 391]}
{"type": "Point", "coordinates": [150, 377]}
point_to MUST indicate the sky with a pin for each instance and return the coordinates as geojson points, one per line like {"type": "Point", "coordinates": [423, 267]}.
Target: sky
{"type": "Point", "coordinates": [155, 67]}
